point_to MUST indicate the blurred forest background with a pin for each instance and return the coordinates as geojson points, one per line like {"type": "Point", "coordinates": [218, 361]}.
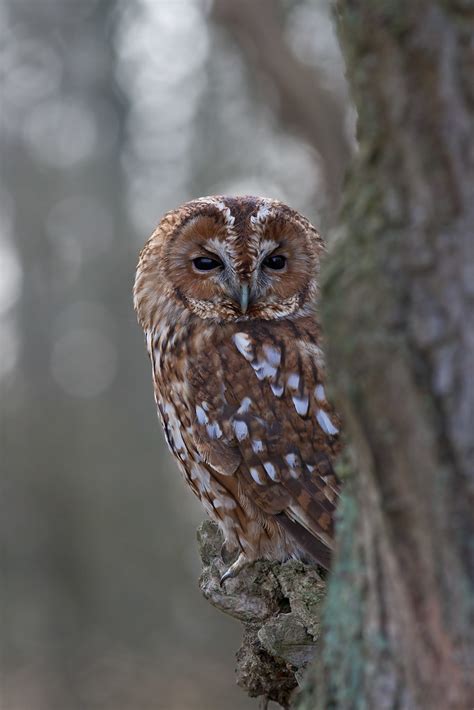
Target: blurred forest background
{"type": "Point", "coordinates": [113, 112]}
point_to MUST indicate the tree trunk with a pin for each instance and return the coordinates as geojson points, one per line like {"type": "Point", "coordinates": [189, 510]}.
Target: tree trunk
{"type": "Point", "coordinates": [398, 312]}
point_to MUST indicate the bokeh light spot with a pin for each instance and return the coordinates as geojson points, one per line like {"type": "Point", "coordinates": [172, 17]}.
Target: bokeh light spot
{"type": "Point", "coordinates": [9, 346]}
{"type": "Point", "coordinates": [84, 362]}
{"type": "Point", "coordinates": [30, 70]}
{"type": "Point", "coordinates": [83, 220]}
{"type": "Point", "coordinates": [61, 132]}
{"type": "Point", "coordinates": [10, 275]}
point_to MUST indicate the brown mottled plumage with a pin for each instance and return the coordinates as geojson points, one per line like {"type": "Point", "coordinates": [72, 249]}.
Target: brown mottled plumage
{"type": "Point", "coordinates": [226, 293]}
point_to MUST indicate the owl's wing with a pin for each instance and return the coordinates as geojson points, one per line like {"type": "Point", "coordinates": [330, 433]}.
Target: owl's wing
{"type": "Point", "coordinates": [262, 417]}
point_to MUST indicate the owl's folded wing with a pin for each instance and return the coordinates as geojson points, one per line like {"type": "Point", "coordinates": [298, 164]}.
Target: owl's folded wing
{"type": "Point", "coordinates": [268, 425]}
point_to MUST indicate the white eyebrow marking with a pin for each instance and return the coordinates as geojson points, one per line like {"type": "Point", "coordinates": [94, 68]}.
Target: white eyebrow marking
{"type": "Point", "coordinates": [226, 213]}
{"type": "Point", "coordinates": [262, 214]}
{"type": "Point", "coordinates": [325, 423]}
{"type": "Point", "coordinates": [219, 248]}
{"type": "Point", "coordinates": [301, 405]}
{"type": "Point", "coordinates": [267, 246]}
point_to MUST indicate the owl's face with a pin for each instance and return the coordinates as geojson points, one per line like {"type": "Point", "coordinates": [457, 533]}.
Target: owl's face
{"type": "Point", "coordinates": [230, 258]}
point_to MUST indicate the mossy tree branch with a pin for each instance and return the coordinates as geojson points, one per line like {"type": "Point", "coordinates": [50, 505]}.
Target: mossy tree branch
{"type": "Point", "coordinates": [279, 606]}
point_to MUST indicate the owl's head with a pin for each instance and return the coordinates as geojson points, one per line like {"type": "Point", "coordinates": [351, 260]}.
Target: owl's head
{"type": "Point", "coordinates": [228, 259]}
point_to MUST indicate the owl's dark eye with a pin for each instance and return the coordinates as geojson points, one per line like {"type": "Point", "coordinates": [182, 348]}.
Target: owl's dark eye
{"type": "Point", "coordinates": [276, 262]}
{"type": "Point", "coordinates": [205, 263]}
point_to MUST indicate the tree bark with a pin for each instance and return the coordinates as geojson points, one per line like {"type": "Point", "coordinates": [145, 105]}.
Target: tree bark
{"type": "Point", "coordinates": [398, 312]}
{"type": "Point", "coordinates": [279, 607]}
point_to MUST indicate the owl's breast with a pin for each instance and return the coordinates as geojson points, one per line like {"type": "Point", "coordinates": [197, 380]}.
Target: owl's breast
{"type": "Point", "coordinates": [173, 352]}
{"type": "Point", "coordinates": [176, 365]}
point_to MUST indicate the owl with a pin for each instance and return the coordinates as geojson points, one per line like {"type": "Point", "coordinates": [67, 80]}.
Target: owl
{"type": "Point", "coordinates": [226, 292]}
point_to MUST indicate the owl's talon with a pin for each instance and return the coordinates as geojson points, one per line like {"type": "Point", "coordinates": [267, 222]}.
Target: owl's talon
{"type": "Point", "coordinates": [235, 568]}
{"type": "Point", "coordinates": [228, 553]}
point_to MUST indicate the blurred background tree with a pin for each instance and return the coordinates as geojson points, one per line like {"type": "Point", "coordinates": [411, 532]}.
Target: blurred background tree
{"type": "Point", "coordinates": [112, 113]}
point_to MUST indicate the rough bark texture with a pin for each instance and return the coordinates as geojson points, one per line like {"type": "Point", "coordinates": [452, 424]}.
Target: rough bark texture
{"type": "Point", "coordinates": [398, 300]}
{"type": "Point", "coordinates": [279, 606]}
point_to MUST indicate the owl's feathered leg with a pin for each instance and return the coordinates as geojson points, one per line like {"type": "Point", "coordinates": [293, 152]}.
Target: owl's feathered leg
{"type": "Point", "coordinates": [235, 568]}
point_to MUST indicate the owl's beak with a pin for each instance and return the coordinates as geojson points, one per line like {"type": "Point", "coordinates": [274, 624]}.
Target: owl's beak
{"type": "Point", "coordinates": [244, 297]}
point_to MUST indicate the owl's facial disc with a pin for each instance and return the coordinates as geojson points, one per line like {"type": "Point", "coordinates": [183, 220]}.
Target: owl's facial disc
{"type": "Point", "coordinates": [241, 288]}
{"type": "Point", "coordinates": [256, 263]}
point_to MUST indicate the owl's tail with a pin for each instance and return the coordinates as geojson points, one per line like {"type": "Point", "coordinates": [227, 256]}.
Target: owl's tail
{"type": "Point", "coordinates": [317, 550]}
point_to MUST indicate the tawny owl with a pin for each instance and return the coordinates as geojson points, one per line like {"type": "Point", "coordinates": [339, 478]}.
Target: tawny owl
{"type": "Point", "coordinates": [226, 292]}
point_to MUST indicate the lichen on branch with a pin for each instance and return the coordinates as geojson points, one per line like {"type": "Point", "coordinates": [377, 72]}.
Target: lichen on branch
{"type": "Point", "coordinates": [279, 606]}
